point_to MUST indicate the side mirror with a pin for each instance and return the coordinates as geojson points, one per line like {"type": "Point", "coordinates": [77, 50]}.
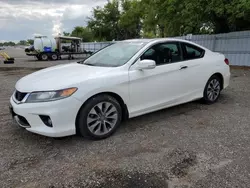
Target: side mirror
{"type": "Point", "coordinates": [145, 64]}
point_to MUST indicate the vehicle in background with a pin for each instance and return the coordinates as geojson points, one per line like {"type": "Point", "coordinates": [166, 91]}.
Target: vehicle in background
{"type": "Point", "coordinates": [46, 48]}
{"type": "Point", "coordinates": [7, 58]}
{"type": "Point", "coordinates": [124, 80]}
{"type": "Point", "coordinates": [2, 48]}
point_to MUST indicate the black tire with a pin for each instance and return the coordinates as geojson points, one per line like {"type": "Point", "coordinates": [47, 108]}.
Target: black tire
{"type": "Point", "coordinates": [81, 124]}
{"type": "Point", "coordinates": [44, 57]}
{"type": "Point", "coordinates": [39, 58]}
{"type": "Point", "coordinates": [54, 57]}
{"type": "Point", "coordinates": [207, 97]}
{"type": "Point", "coordinates": [9, 62]}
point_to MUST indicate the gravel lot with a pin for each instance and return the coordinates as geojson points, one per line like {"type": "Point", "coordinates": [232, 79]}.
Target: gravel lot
{"type": "Point", "coordinates": [191, 145]}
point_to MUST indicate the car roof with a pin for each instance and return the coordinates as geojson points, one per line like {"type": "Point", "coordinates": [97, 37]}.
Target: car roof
{"type": "Point", "coordinates": [146, 40]}
{"type": "Point", "coordinates": [138, 40]}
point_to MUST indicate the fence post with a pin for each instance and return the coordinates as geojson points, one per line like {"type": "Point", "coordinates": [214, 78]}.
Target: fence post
{"type": "Point", "coordinates": [214, 43]}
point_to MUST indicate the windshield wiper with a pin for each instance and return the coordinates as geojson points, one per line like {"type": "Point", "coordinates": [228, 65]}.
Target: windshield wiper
{"type": "Point", "coordinates": [89, 64]}
{"type": "Point", "coordinates": [81, 62]}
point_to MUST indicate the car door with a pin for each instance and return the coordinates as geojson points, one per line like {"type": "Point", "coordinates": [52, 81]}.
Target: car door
{"type": "Point", "coordinates": [193, 70]}
{"type": "Point", "coordinates": [156, 88]}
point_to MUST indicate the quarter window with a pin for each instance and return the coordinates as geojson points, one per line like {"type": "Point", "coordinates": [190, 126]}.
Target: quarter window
{"type": "Point", "coordinates": [192, 52]}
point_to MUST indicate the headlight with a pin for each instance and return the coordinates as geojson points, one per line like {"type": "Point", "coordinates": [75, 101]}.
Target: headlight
{"type": "Point", "coordinates": [46, 96]}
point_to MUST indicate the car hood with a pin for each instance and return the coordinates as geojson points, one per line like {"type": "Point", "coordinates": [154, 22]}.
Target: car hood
{"type": "Point", "coordinates": [59, 77]}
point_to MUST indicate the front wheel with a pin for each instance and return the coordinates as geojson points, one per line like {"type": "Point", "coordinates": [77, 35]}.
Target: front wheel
{"type": "Point", "coordinates": [99, 117]}
{"type": "Point", "coordinates": [212, 90]}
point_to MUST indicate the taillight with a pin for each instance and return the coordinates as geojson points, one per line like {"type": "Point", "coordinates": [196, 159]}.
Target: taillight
{"type": "Point", "coordinates": [226, 61]}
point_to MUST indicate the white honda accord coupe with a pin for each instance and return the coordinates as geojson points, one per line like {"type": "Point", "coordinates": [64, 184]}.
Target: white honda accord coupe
{"type": "Point", "coordinates": [124, 80]}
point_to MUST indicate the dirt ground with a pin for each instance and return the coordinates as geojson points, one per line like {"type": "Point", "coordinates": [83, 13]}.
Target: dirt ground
{"type": "Point", "coordinates": [191, 145]}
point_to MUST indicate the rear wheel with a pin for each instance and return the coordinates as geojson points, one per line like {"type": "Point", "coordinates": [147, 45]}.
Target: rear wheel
{"type": "Point", "coordinates": [100, 117]}
{"type": "Point", "coordinates": [44, 57]}
{"type": "Point", "coordinates": [212, 90]}
{"type": "Point", "coordinates": [54, 57]}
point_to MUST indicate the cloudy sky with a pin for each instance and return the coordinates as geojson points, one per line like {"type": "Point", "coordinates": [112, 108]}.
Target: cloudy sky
{"type": "Point", "coordinates": [21, 19]}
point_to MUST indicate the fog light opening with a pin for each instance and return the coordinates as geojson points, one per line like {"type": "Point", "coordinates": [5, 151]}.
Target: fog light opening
{"type": "Point", "coordinates": [46, 120]}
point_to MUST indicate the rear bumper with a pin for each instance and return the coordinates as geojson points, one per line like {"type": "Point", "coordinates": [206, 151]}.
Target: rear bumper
{"type": "Point", "coordinates": [227, 77]}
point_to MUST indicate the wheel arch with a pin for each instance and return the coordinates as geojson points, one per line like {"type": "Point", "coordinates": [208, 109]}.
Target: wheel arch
{"type": "Point", "coordinates": [125, 114]}
{"type": "Point", "coordinates": [221, 78]}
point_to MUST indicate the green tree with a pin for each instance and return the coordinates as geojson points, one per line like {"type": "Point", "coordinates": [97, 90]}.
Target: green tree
{"type": "Point", "coordinates": [105, 21]}
{"type": "Point", "coordinates": [122, 19]}
{"type": "Point", "coordinates": [130, 23]}
{"type": "Point", "coordinates": [82, 32]}
{"type": "Point", "coordinates": [10, 43]}
{"type": "Point", "coordinates": [22, 42]}
{"type": "Point", "coordinates": [228, 15]}
{"type": "Point", "coordinates": [30, 41]}
{"type": "Point", "coordinates": [174, 17]}
{"type": "Point", "coordinates": [66, 34]}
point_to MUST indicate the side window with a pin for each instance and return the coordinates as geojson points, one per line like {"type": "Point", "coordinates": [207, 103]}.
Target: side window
{"type": "Point", "coordinates": [164, 53]}
{"type": "Point", "coordinates": [149, 54]}
{"type": "Point", "coordinates": [192, 52]}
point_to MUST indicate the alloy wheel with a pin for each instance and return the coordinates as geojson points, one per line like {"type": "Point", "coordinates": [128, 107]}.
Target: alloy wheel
{"type": "Point", "coordinates": [102, 118]}
{"type": "Point", "coordinates": [213, 90]}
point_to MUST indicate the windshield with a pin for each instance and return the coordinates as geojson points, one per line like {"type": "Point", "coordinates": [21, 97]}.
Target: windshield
{"type": "Point", "coordinates": [114, 55]}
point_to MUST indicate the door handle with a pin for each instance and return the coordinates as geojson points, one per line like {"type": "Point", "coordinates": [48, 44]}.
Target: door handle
{"type": "Point", "coordinates": [183, 67]}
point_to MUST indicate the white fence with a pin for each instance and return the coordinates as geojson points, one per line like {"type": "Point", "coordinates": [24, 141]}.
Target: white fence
{"type": "Point", "coordinates": [235, 46]}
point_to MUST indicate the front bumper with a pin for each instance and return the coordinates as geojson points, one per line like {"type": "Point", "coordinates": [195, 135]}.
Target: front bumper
{"type": "Point", "coordinates": [61, 112]}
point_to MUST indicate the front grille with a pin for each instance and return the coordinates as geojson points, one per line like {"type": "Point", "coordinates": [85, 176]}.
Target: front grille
{"type": "Point", "coordinates": [19, 95]}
